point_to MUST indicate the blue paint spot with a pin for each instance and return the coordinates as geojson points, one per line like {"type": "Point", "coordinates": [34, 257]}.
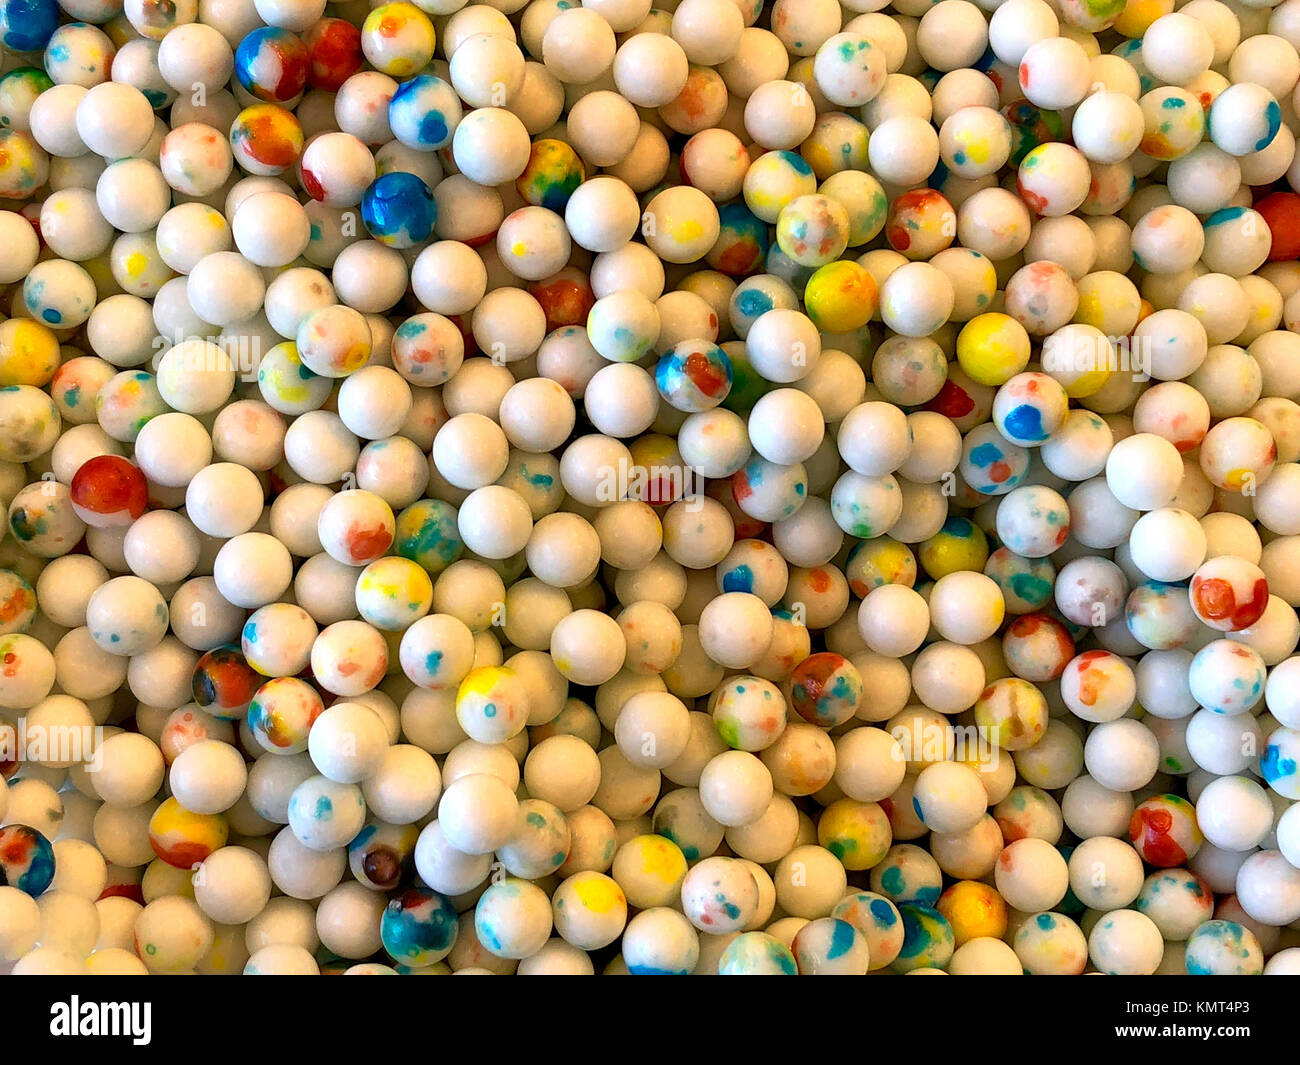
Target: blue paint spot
{"type": "Point", "coordinates": [1227, 214]}
{"type": "Point", "coordinates": [1025, 423]}
{"type": "Point", "coordinates": [1274, 766]}
{"type": "Point", "coordinates": [883, 912]}
{"type": "Point", "coordinates": [433, 128]}
{"type": "Point", "coordinates": [797, 163]}
{"type": "Point", "coordinates": [1273, 115]}
{"type": "Point", "coordinates": [841, 940]}
{"type": "Point", "coordinates": [752, 302]}
{"type": "Point", "coordinates": [739, 579]}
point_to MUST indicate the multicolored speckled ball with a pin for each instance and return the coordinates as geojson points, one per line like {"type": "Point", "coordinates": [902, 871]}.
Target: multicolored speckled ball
{"type": "Point", "coordinates": [1164, 831]}
{"type": "Point", "coordinates": [694, 376]}
{"type": "Point", "coordinates": [1223, 948]}
{"type": "Point", "coordinates": [757, 954]}
{"type": "Point", "coordinates": [419, 927]}
{"type": "Point", "coordinates": [928, 940]}
{"type": "Point", "coordinates": [282, 712]}
{"type": "Point", "coordinates": [182, 838]}
{"type": "Point", "coordinates": [841, 297]}
{"type": "Point", "coordinates": [826, 689]}
{"type": "Point", "coordinates": [272, 64]}
{"type": "Point", "coordinates": [26, 859]}
{"type": "Point", "coordinates": [553, 172]}
{"type": "Point", "coordinates": [426, 533]}
{"type": "Point", "coordinates": [224, 683]}
{"type": "Point", "coordinates": [393, 592]}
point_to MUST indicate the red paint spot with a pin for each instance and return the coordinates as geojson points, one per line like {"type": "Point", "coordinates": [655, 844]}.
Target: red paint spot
{"type": "Point", "coordinates": [1215, 599]}
{"type": "Point", "coordinates": [1151, 829]}
{"type": "Point", "coordinates": [1036, 202]}
{"type": "Point", "coordinates": [123, 891]}
{"type": "Point", "coordinates": [183, 855]}
{"type": "Point", "coordinates": [295, 63]}
{"type": "Point", "coordinates": [15, 606]}
{"type": "Point", "coordinates": [368, 542]}
{"type": "Point", "coordinates": [1011, 830]}
{"type": "Point", "coordinates": [740, 487]}
{"type": "Point", "coordinates": [740, 258]}
{"type": "Point", "coordinates": [312, 184]}
{"type": "Point", "coordinates": [953, 401]}
{"type": "Point", "coordinates": [898, 237]}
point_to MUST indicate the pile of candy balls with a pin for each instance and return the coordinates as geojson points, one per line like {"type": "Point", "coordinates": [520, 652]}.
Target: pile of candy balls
{"type": "Point", "coordinates": [571, 487]}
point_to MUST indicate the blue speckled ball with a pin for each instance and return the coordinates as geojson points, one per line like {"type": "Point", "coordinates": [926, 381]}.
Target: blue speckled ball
{"type": "Point", "coordinates": [399, 210]}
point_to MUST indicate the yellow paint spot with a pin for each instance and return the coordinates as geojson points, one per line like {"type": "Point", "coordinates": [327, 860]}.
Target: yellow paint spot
{"type": "Point", "coordinates": [483, 681]}
{"type": "Point", "coordinates": [686, 230]}
{"type": "Point", "coordinates": [977, 150]}
{"type": "Point", "coordinates": [661, 858]}
{"type": "Point", "coordinates": [599, 894]}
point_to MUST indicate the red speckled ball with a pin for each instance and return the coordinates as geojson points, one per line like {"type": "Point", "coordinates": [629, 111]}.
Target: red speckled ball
{"type": "Point", "coordinates": [1281, 210]}
{"type": "Point", "coordinates": [109, 492]}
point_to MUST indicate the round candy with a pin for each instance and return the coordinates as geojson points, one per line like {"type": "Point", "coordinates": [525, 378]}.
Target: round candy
{"type": "Point", "coordinates": [26, 859]}
{"type": "Point", "coordinates": [182, 838]}
{"type": "Point", "coordinates": [419, 927]}
{"type": "Point", "coordinates": [694, 376]}
{"type": "Point", "coordinates": [399, 210]}
{"type": "Point", "coordinates": [224, 683]}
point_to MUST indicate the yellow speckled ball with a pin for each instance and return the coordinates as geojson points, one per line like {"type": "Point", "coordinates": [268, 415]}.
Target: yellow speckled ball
{"type": "Point", "coordinates": [840, 297]}
{"type": "Point", "coordinates": [974, 910]}
{"type": "Point", "coordinates": [959, 545]}
{"type": "Point", "coordinates": [857, 833]}
{"type": "Point", "coordinates": [992, 348]}
{"type": "Point", "coordinates": [29, 353]}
